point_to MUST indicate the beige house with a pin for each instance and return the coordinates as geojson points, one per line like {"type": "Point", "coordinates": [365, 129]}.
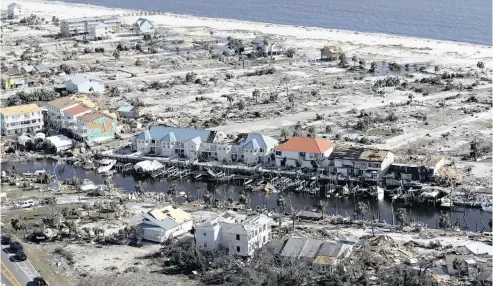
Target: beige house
{"type": "Point", "coordinates": [330, 53]}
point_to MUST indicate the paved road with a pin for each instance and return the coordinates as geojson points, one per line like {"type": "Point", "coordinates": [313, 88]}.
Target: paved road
{"type": "Point", "coordinates": [16, 273]}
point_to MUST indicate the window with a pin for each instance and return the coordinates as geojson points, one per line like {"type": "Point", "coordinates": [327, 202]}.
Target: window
{"type": "Point", "coordinates": [278, 153]}
{"type": "Point", "coordinates": [302, 154]}
{"type": "Point", "coordinates": [237, 237]}
{"type": "Point", "coordinates": [205, 234]}
{"type": "Point", "coordinates": [262, 150]}
{"type": "Point", "coordinates": [238, 249]}
{"type": "Point", "coordinates": [205, 244]}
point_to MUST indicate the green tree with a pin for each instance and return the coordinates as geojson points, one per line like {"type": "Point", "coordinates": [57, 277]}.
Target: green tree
{"type": "Point", "coordinates": [362, 209]}
{"type": "Point", "coordinates": [298, 129]}
{"type": "Point", "coordinates": [284, 133]}
{"type": "Point", "coordinates": [116, 54]}
{"type": "Point", "coordinates": [402, 217]}
{"type": "Point", "coordinates": [444, 221]}
{"type": "Point", "coordinates": [343, 63]}
{"type": "Point", "coordinates": [290, 53]}
{"type": "Point", "coordinates": [256, 94]}
{"type": "Point", "coordinates": [321, 207]}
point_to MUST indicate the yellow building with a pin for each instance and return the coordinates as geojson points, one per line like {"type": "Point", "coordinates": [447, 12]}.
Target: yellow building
{"type": "Point", "coordinates": [27, 118]}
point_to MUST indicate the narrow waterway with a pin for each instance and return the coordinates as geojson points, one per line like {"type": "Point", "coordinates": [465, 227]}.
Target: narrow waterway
{"type": "Point", "coordinates": [428, 214]}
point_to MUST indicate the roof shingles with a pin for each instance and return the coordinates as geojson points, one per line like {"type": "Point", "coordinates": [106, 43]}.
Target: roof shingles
{"type": "Point", "coordinates": [78, 109]}
{"type": "Point", "coordinates": [305, 144]}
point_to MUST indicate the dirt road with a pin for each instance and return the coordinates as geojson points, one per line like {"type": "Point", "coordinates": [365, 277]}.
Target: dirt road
{"type": "Point", "coordinates": [289, 120]}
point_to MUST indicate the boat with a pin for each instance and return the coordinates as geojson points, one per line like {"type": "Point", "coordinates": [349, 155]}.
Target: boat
{"type": "Point", "coordinates": [486, 207]}
{"type": "Point", "coordinates": [105, 165]}
{"type": "Point", "coordinates": [446, 203]}
{"type": "Point", "coordinates": [87, 186]}
{"type": "Point", "coordinates": [35, 174]}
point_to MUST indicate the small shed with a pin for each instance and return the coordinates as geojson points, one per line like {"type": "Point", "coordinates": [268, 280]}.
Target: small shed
{"type": "Point", "coordinates": [14, 11]}
{"type": "Point", "coordinates": [128, 111]}
{"type": "Point", "coordinates": [61, 142]}
{"type": "Point", "coordinates": [42, 69]}
{"type": "Point", "coordinates": [27, 69]}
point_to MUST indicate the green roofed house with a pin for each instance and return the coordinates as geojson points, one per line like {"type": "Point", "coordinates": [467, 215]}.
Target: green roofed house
{"type": "Point", "coordinates": [95, 126]}
{"type": "Point", "coordinates": [144, 27]}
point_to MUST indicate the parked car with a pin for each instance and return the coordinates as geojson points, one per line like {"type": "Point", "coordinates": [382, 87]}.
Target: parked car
{"type": "Point", "coordinates": [6, 238]}
{"type": "Point", "coordinates": [16, 246]}
{"type": "Point", "coordinates": [39, 281]}
{"type": "Point", "coordinates": [20, 256]}
{"type": "Point", "coordinates": [24, 204]}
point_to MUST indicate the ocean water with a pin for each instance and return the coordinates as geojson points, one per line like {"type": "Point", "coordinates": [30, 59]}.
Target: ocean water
{"type": "Point", "coordinates": [452, 20]}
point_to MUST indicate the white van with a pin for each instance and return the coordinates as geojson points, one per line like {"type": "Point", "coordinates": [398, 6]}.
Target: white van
{"type": "Point", "coordinates": [25, 204]}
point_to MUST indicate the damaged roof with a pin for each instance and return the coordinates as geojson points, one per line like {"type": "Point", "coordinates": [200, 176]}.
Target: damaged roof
{"type": "Point", "coordinates": [62, 102]}
{"type": "Point", "coordinates": [358, 154]}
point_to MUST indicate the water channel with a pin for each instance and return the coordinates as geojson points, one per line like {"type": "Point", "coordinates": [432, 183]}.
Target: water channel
{"type": "Point", "coordinates": [428, 214]}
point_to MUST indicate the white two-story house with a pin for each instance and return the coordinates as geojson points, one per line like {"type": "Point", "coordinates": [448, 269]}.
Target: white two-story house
{"type": "Point", "coordinates": [56, 110]}
{"type": "Point", "coordinates": [240, 239]}
{"type": "Point", "coordinates": [22, 118]}
{"type": "Point", "coordinates": [193, 143]}
{"type": "Point", "coordinates": [70, 116]}
{"type": "Point", "coordinates": [252, 149]}
{"type": "Point", "coordinates": [304, 152]}
{"type": "Point", "coordinates": [173, 142]}
{"type": "Point", "coordinates": [371, 164]}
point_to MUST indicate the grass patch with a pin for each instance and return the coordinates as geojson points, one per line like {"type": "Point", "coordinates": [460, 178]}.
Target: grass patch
{"type": "Point", "coordinates": [69, 256]}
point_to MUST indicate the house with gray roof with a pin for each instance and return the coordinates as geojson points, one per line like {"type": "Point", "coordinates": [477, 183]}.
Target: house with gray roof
{"type": "Point", "coordinates": [144, 27]}
{"type": "Point", "coordinates": [128, 111]}
{"type": "Point", "coordinates": [173, 142]}
{"type": "Point", "coordinates": [251, 148]}
{"type": "Point", "coordinates": [194, 143]}
{"type": "Point", "coordinates": [83, 83]}
{"type": "Point", "coordinates": [323, 254]}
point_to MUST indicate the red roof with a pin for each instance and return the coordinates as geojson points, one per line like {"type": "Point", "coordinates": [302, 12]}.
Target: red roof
{"type": "Point", "coordinates": [76, 110]}
{"type": "Point", "coordinates": [305, 144]}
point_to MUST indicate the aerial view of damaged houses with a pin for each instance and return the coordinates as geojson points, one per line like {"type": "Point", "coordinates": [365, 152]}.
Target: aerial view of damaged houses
{"type": "Point", "coordinates": [263, 143]}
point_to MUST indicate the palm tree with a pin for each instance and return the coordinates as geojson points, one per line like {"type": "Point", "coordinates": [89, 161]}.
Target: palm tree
{"type": "Point", "coordinates": [116, 54]}
{"type": "Point", "coordinates": [256, 94]}
{"type": "Point", "coordinates": [321, 207]}
{"type": "Point", "coordinates": [362, 209]}
{"type": "Point", "coordinates": [444, 221]}
{"type": "Point", "coordinates": [284, 133]}
{"type": "Point", "coordinates": [281, 203]}
{"type": "Point", "coordinates": [402, 216]}
{"type": "Point", "coordinates": [230, 99]}
{"type": "Point", "coordinates": [297, 129]}
{"type": "Point", "coordinates": [311, 131]}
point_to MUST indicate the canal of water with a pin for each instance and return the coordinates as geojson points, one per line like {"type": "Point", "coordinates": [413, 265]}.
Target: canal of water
{"type": "Point", "coordinates": [428, 214]}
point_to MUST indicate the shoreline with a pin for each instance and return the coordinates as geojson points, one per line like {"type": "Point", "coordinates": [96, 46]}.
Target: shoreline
{"type": "Point", "coordinates": [336, 35]}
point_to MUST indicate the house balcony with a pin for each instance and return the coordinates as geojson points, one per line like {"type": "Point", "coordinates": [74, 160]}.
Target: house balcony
{"type": "Point", "coordinates": [19, 126]}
